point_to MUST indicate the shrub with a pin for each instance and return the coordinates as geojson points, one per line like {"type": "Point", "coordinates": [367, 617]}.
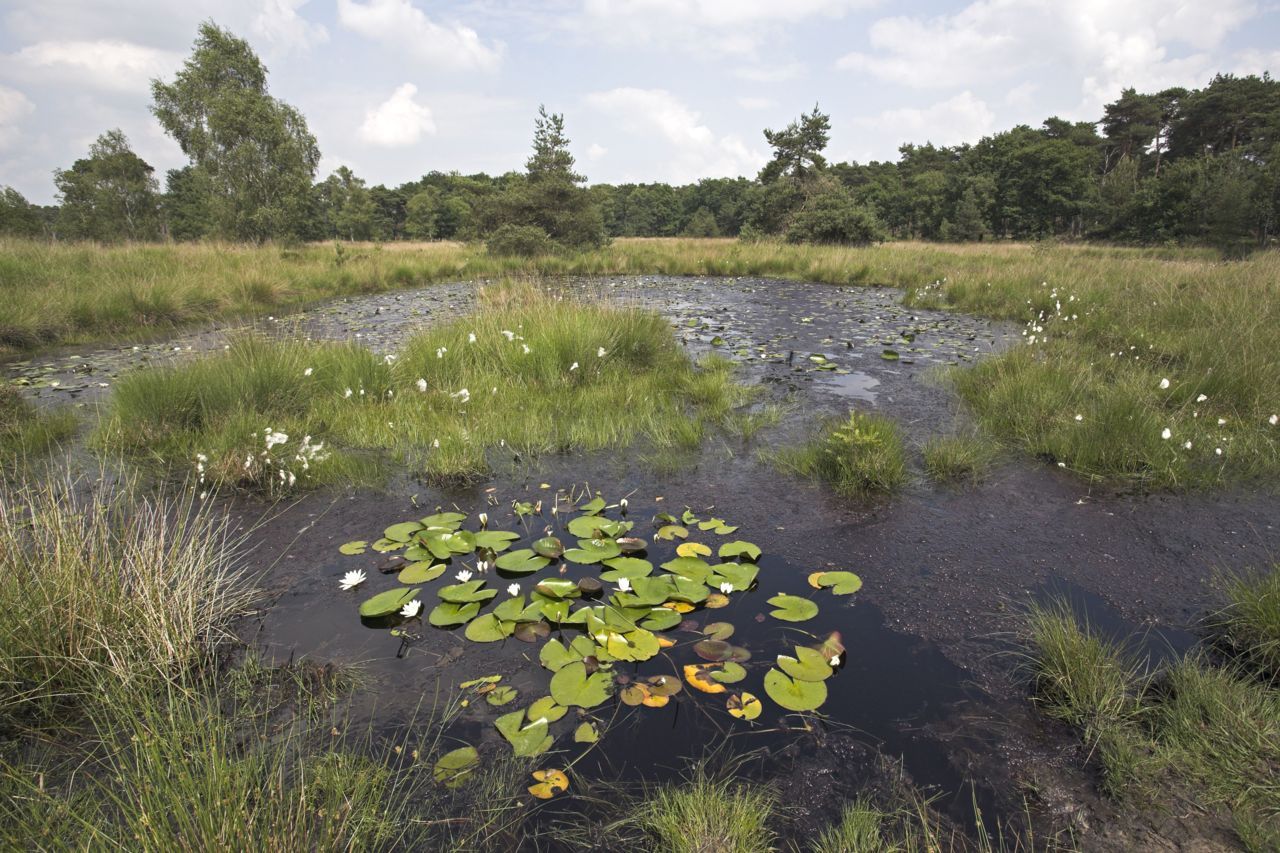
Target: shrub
{"type": "Point", "coordinates": [525, 241]}
{"type": "Point", "coordinates": [832, 216]}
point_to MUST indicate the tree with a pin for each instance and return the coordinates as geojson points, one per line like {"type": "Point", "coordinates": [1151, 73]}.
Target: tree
{"type": "Point", "coordinates": [701, 224]}
{"type": "Point", "coordinates": [110, 195]}
{"type": "Point", "coordinates": [420, 215]}
{"type": "Point", "coordinates": [185, 205]}
{"type": "Point", "coordinates": [831, 215]}
{"type": "Point", "coordinates": [18, 217]}
{"type": "Point", "coordinates": [967, 222]}
{"type": "Point", "coordinates": [251, 151]}
{"type": "Point", "coordinates": [346, 206]}
{"type": "Point", "coordinates": [798, 147]}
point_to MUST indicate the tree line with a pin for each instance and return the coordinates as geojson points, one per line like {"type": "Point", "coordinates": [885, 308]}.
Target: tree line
{"type": "Point", "coordinates": [1179, 165]}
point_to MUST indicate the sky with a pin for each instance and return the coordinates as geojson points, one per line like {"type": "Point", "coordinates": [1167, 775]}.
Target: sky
{"type": "Point", "coordinates": [651, 90]}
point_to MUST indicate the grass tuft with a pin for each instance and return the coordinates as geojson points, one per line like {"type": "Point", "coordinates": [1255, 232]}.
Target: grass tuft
{"type": "Point", "coordinates": [958, 458]}
{"type": "Point", "coordinates": [26, 433]}
{"type": "Point", "coordinates": [708, 815]}
{"type": "Point", "coordinates": [860, 456]}
{"type": "Point", "coordinates": [1250, 623]}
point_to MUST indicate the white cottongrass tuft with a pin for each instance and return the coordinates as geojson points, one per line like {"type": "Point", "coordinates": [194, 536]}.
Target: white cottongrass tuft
{"type": "Point", "coordinates": [1166, 434]}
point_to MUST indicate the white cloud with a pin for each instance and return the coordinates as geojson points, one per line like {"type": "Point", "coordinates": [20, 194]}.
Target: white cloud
{"type": "Point", "coordinates": [595, 151]}
{"type": "Point", "coordinates": [696, 152]}
{"type": "Point", "coordinates": [1104, 44]}
{"type": "Point", "coordinates": [399, 23]}
{"type": "Point", "coordinates": [280, 25]}
{"type": "Point", "coordinates": [963, 118]}
{"type": "Point", "coordinates": [718, 27]}
{"type": "Point", "coordinates": [748, 103]}
{"type": "Point", "coordinates": [771, 73]}
{"type": "Point", "coordinates": [106, 64]}
{"type": "Point", "coordinates": [397, 121]}
{"type": "Point", "coordinates": [14, 107]}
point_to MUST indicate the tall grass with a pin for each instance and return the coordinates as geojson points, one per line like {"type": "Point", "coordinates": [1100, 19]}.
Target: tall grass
{"type": "Point", "coordinates": [26, 433]}
{"type": "Point", "coordinates": [1200, 731]}
{"type": "Point", "coordinates": [858, 456]}
{"type": "Point", "coordinates": [99, 583]}
{"type": "Point", "coordinates": [1249, 624]}
{"type": "Point", "coordinates": [527, 374]}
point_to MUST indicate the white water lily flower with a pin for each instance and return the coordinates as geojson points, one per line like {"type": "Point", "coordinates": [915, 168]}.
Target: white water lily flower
{"type": "Point", "coordinates": [623, 503]}
{"type": "Point", "coordinates": [471, 337]}
{"type": "Point", "coordinates": [351, 580]}
{"type": "Point", "coordinates": [573, 367]}
{"type": "Point", "coordinates": [463, 576]}
{"type": "Point", "coordinates": [835, 660]}
{"type": "Point", "coordinates": [483, 518]}
{"type": "Point", "coordinates": [1166, 434]}
{"type": "Point", "coordinates": [624, 584]}
{"type": "Point", "coordinates": [463, 396]}
{"type": "Point", "coordinates": [411, 609]}
{"type": "Point", "coordinates": [600, 353]}
{"type": "Point", "coordinates": [1202, 398]}
{"type": "Point", "coordinates": [1164, 383]}
{"type": "Point", "coordinates": [422, 385]}
{"type": "Point", "coordinates": [307, 372]}
{"type": "Point", "coordinates": [513, 590]}
{"type": "Point", "coordinates": [726, 587]}
{"type": "Point", "coordinates": [482, 566]}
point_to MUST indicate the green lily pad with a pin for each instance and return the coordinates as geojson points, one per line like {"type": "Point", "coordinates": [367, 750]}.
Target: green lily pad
{"type": "Point", "coordinates": [792, 608]}
{"type": "Point", "coordinates": [464, 592]}
{"type": "Point", "coordinates": [554, 655]}
{"type": "Point", "coordinates": [626, 567]}
{"type": "Point", "coordinates": [527, 739]}
{"type": "Point", "coordinates": [672, 531]}
{"type": "Point", "coordinates": [495, 540]}
{"type": "Point", "coordinates": [547, 707]}
{"type": "Point", "coordinates": [807, 665]}
{"type": "Point", "coordinates": [741, 575]}
{"type": "Point", "coordinates": [402, 532]}
{"type": "Point", "coordinates": [454, 766]}
{"type": "Point", "coordinates": [636, 645]}
{"type": "Point", "coordinates": [351, 549]}
{"type": "Point", "coordinates": [588, 526]}
{"type": "Point", "coordinates": [840, 583]}
{"type": "Point", "coordinates": [523, 562]}
{"type": "Point", "coordinates": [558, 588]}
{"type": "Point", "coordinates": [693, 568]}
{"type": "Point", "coordinates": [718, 630]}
{"type": "Point", "coordinates": [794, 694]}
{"type": "Point", "coordinates": [661, 619]}
{"type": "Point", "coordinates": [586, 733]}
{"type": "Point", "coordinates": [386, 603]}
{"type": "Point", "coordinates": [488, 629]}
{"type": "Point", "coordinates": [549, 547]}
{"type": "Point", "coordinates": [737, 548]}
{"type": "Point", "coordinates": [572, 686]}
{"type": "Point", "coordinates": [449, 614]}
{"type": "Point", "coordinates": [421, 572]}
{"type": "Point", "coordinates": [593, 506]}
{"type": "Point", "coordinates": [889, 355]}
{"type": "Point", "coordinates": [444, 520]}
{"type": "Point", "coordinates": [730, 672]}
{"type": "Point", "coordinates": [382, 546]}
{"type": "Point", "coordinates": [500, 696]}
{"type": "Point", "coordinates": [713, 650]}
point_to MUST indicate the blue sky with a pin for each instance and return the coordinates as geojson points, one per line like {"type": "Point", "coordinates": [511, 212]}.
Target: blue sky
{"type": "Point", "coordinates": [670, 90]}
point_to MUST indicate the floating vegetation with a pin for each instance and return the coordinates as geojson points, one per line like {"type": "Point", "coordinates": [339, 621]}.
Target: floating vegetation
{"type": "Point", "coordinates": [621, 606]}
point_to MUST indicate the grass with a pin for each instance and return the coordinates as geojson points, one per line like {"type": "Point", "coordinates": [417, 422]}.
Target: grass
{"type": "Point", "coordinates": [100, 583]}
{"type": "Point", "coordinates": [542, 375]}
{"type": "Point", "coordinates": [1203, 732]}
{"type": "Point", "coordinates": [1109, 324]}
{"type": "Point", "coordinates": [708, 815]}
{"type": "Point", "coordinates": [958, 458]}
{"type": "Point", "coordinates": [1249, 625]}
{"type": "Point", "coordinates": [859, 456]}
{"type": "Point", "coordinates": [26, 433]}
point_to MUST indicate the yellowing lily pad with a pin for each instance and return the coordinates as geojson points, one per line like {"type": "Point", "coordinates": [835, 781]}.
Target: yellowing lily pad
{"type": "Point", "coordinates": [744, 706]}
{"type": "Point", "coordinates": [693, 549]}
{"type": "Point", "coordinates": [716, 600]}
{"type": "Point", "coordinates": [699, 676]}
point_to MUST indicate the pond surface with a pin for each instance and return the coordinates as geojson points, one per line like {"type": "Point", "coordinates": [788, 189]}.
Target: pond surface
{"type": "Point", "coordinates": [929, 690]}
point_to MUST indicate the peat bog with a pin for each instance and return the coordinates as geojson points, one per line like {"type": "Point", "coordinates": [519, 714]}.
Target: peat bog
{"type": "Point", "coordinates": [930, 694]}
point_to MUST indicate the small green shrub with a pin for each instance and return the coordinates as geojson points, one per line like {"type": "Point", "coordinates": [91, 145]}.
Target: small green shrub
{"type": "Point", "coordinates": [861, 455]}
{"type": "Point", "coordinates": [833, 216]}
{"type": "Point", "coordinates": [522, 241]}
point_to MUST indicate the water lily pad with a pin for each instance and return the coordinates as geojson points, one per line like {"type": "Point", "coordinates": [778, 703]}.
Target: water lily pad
{"type": "Point", "coordinates": [522, 562]}
{"type": "Point", "coordinates": [549, 547]}
{"type": "Point", "coordinates": [692, 568]}
{"type": "Point", "coordinates": [547, 707]}
{"type": "Point", "coordinates": [840, 583]}
{"type": "Point", "coordinates": [699, 676]}
{"type": "Point", "coordinates": [716, 600]}
{"type": "Point", "coordinates": [672, 531]}
{"type": "Point", "coordinates": [664, 685]}
{"type": "Point", "coordinates": [626, 567]}
{"type": "Point", "coordinates": [634, 645]}
{"type": "Point", "coordinates": [382, 546]}
{"type": "Point", "coordinates": [740, 575]}
{"type": "Point", "coordinates": [500, 696]}
{"type": "Point", "coordinates": [488, 629]}
{"type": "Point", "coordinates": [744, 706]}
{"type": "Point", "coordinates": [558, 588]}
{"type": "Point", "coordinates": [421, 572]}
{"type": "Point", "coordinates": [454, 766]}
{"type": "Point", "coordinates": [792, 608]}
{"type": "Point", "coordinates": [462, 593]}
{"type": "Point", "coordinates": [593, 506]}
{"type": "Point", "coordinates": [729, 672]}
{"type": "Point", "coordinates": [633, 694]}
{"type": "Point", "coordinates": [444, 520]}
{"type": "Point", "coordinates": [352, 549]}
{"type": "Point", "coordinates": [386, 603]}
{"type": "Point", "coordinates": [402, 532]}
{"type": "Point", "coordinates": [550, 783]}
{"type": "Point", "coordinates": [448, 614]}
{"type": "Point", "coordinates": [718, 630]}
{"type": "Point", "coordinates": [692, 549]}
{"type": "Point", "coordinates": [738, 548]}
{"type": "Point", "coordinates": [632, 544]}
{"type": "Point", "coordinates": [527, 739]}
{"type": "Point", "coordinates": [495, 540]}
{"type": "Point", "coordinates": [712, 650]}
{"type": "Point", "coordinates": [554, 655]}
{"type": "Point", "coordinates": [531, 632]}
{"type": "Point", "coordinates": [586, 733]}
{"type": "Point", "coordinates": [572, 686]}
{"type": "Point", "coordinates": [660, 619]}
{"type": "Point", "coordinates": [792, 693]}
{"type": "Point", "coordinates": [589, 585]}
{"type": "Point", "coordinates": [588, 527]}
{"type": "Point", "coordinates": [807, 665]}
